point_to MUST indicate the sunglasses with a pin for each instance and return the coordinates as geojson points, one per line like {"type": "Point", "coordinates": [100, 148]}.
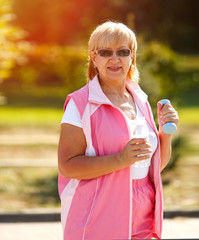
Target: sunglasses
{"type": "Point", "coordinates": [109, 53]}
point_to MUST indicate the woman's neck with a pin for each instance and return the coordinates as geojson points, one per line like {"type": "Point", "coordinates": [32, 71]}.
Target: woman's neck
{"type": "Point", "coordinates": [116, 92]}
{"type": "Point", "coordinates": [111, 87]}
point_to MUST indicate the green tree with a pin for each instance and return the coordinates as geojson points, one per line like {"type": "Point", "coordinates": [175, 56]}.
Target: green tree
{"type": "Point", "coordinates": [10, 41]}
{"type": "Point", "coordinates": [157, 66]}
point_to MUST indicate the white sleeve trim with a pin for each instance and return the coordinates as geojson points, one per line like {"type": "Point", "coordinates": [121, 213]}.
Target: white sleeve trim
{"type": "Point", "coordinates": [72, 115]}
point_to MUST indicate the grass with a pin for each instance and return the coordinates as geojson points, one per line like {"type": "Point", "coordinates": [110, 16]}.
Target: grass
{"type": "Point", "coordinates": [47, 117]}
{"type": "Point", "coordinates": [189, 115]}
{"type": "Point", "coordinates": [28, 188]}
{"type": "Point", "coordinates": [32, 117]}
{"type": "Point", "coordinates": [181, 189]}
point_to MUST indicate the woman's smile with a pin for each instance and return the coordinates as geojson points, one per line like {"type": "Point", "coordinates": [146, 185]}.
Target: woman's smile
{"type": "Point", "coordinates": [114, 68]}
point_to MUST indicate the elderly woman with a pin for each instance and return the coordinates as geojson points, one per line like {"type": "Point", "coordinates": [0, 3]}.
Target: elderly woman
{"type": "Point", "coordinates": [110, 154]}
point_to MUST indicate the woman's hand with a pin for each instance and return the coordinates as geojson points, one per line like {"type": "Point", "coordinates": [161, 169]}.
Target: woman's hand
{"type": "Point", "coordinates": [166, 114]}
{"type": "Point", "coordinates": [137, 149]}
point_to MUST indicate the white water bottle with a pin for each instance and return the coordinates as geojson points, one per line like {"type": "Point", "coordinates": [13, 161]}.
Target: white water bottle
{"type": "Point", "coordinates": [142, 131]}
{"type": "Point", "coordinates": [168, 127]}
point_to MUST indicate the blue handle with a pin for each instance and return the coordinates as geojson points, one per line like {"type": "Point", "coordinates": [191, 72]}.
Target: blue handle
{"type": "Point", "coordinates": [168, 127]}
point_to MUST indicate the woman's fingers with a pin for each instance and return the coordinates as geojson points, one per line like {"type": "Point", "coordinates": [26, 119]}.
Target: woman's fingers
{"type": "Point", "coordinates": [137, 140]}
{"type": "Point", "coordinates": [137, 149]}
{"type": "Point", "coordinates": [142, 157]}
{"type": "Point", "coordinates": [141, 152]}
{"type": "Point", "coordinates": [140, 142]}
{"type": "Point", "coordinates": [140, 149]}
{"type": "Point", "coordinates": [159, 107]}
{"type": "Point", "coordinates": [173, 119]}
{"type": "Point", "coordinates": [167, 114]}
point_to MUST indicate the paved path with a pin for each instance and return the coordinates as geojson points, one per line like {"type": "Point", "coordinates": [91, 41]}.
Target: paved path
{"type": "Point", "coordinates": [181, 228]}
{"type": "Point", "coordinates": [23, 148]}
{"type": "Point", "coordinates": [29, 138]}
{"type": "Point", "coordinates": [27, 162]}
{"type": "Point", "coordinates": [173, 228]}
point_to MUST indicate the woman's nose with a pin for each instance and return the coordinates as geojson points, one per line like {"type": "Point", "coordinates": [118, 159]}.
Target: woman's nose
{"type": "Point", "coordinates": [114, 57]}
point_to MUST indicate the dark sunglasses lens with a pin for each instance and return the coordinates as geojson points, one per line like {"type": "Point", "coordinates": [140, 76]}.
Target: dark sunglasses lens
{"type": "Point", "coordinates": [123, 52]}
{"type": "Point", "coordinates": [105, 53]}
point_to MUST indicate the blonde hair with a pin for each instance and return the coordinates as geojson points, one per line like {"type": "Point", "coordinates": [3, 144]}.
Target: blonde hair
{"type": "Point", "coordinates": [112, 34]}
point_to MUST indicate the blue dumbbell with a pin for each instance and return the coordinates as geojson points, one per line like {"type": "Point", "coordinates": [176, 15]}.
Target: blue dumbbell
{"type": "Point", "coordinates": [168, 127]}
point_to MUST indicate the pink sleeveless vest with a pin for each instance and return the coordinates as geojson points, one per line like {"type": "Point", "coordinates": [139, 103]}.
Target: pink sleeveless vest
{"type": "Point", "coordinates": [101, 208]}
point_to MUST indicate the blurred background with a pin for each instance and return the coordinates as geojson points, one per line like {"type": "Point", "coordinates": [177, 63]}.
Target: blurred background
{"type": "Point", "coordinates": [43, 57]}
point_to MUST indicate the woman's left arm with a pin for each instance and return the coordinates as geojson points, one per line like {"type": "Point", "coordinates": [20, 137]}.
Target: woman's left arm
{"type": "Point", "coordinates": [166, 114]}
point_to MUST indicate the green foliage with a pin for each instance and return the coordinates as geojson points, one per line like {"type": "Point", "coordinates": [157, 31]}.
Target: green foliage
{"type": "Point", "coordinates": [157, 65]}
{"type": "Point", "coordinates": [65, 67]}
{"type": "Point", "coordinates": [188, 77]}
{"type": "Point", "coordinates": [10, 41]}
{"type": "Point", "coordinates": [50, 69]}
{"type": "Point", "coordinates": [178, 144]}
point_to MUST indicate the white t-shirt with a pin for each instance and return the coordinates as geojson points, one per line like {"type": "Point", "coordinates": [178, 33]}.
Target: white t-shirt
{"type": "Point", "coordinates": [137, 128]}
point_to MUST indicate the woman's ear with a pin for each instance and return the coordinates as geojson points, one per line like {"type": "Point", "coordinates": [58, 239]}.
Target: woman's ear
{"type": "Point", "coordinates": [93, 56]}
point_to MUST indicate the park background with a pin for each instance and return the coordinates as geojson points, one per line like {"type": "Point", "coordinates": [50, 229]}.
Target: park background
{"type": "Point", "coordinates": [43, 57]}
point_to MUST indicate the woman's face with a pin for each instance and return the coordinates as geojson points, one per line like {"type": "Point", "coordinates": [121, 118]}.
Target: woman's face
{"type": "Point", "coordinates": [114, 67]}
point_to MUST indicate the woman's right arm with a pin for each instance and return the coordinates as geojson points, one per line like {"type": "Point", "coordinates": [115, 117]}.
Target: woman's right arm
{"type": "Point", "coordinates": [73, 163]}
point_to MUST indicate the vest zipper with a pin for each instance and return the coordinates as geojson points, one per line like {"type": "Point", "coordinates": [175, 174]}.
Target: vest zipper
{"type": "Point", "coordinates": [130, 176]}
